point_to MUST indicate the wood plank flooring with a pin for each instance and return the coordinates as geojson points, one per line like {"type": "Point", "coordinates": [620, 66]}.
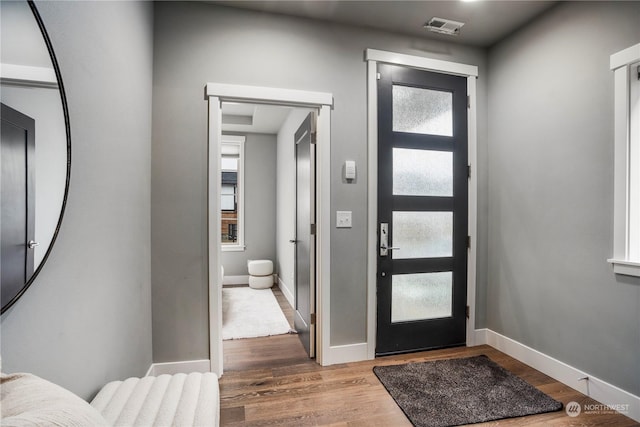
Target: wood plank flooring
{"type": "Point", "coordinates": [270, 381]}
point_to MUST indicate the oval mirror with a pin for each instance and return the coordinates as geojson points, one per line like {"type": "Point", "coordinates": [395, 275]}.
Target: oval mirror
{"type": "Point", "coordinates": [35, 155]}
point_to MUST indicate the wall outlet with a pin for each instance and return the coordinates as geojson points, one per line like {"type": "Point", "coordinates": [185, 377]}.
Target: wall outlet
{"type": "Point", "coordinates": [343, 219]}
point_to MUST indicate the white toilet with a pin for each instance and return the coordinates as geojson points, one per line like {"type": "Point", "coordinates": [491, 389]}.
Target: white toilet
{"type": "Point", "coordinates": [260, 273]}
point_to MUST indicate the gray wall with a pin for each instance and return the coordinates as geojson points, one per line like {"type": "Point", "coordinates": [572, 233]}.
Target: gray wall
{"type": "Point", "coordinates": [196, 43]}
{"type": "Point", "coordinates": [551, 192]}
{"type": "Point", "coordinates": [260, 205]}
{"type": "Point", "coordinates": [86, 319]}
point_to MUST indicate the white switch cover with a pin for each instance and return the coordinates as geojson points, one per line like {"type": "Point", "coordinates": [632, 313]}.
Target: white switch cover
{"type": "Point", "coordinates": [343, 219]}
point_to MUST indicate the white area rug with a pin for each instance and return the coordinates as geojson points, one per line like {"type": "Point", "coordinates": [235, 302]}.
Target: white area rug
{"type": "Point", "coordinates": [250, 313]}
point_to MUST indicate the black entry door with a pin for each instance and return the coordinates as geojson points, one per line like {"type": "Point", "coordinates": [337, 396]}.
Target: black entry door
{"type": "Point", "coordinates": [422, 210]}
{"type": "Point", "coordinates": [305, 270]}
{"type": "Point", "coordinates": [17, 202]}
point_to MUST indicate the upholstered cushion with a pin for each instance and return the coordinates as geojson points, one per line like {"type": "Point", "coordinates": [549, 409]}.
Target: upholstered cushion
{"type": "Point", "coordinates": [27, 400]}
{"type": "Point", "coordinates": [260, 282]}
{"type": "Point", "coordinates": [166, 400]}
{"type": "Point", "coordinates": [260, 267]}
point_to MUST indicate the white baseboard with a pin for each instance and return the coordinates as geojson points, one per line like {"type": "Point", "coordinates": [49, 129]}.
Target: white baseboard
{"type": "Point", "coordinates": [345, 354]}
{"type": "Point", "coordinates": [285, 291]}
{"type": "Point", "coordinates": [235, 280]}
{"type": "Point", "coordinates": [596, 388]}
{"type": "Point", "coordinates": [184, 367]}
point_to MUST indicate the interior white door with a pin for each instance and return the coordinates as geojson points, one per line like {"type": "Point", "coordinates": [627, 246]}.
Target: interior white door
{"type": "Point", "coordinates": [305, 268]}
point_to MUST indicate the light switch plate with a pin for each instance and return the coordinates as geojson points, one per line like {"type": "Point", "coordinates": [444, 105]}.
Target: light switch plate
{"type": "Point", "coordinates": [350, 170]}
{"type": "Point", "coordinates": [343, 219]}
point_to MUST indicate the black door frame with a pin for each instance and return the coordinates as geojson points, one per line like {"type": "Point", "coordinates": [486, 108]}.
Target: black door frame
{"type": "Point", "coordinates": [373, 57]}
{"type": "Point", "coordinates": [416, 335]}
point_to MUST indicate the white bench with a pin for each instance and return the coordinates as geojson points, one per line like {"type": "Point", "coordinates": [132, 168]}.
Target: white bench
{"type": "Point", "coordinates": [166, 400]}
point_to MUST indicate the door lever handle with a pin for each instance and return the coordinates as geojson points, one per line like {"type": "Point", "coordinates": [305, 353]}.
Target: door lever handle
{"type": "Point", "coordinates": [384, 240]}
{"type": "Point", "coordinates": [32, 244]}
{"type": "Point", "coordinates": [294, 241]}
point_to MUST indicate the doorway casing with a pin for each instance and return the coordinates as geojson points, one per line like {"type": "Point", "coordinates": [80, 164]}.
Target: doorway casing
{"type": "Point", "coordinates": [373, 57]}
{"type": "Point", "coordinates": [215, 94]}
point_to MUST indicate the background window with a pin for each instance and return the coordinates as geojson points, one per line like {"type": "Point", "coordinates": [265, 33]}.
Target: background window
{"type": "Point", "coordinates": [231, 201]}
{"type": "Point", "coordinates": [626, 234]}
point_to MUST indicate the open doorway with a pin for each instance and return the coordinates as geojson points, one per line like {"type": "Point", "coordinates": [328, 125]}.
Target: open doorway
{"type": "Point", "coordinates": [265, 255]}
{"type": "Point", "coordinates": [229, 265]}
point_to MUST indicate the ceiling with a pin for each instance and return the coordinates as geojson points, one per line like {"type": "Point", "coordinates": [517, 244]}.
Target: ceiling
{"type": "Point", "coordinates": [486, 22]}
{"type": "Point", "coordinates": [253, 118]}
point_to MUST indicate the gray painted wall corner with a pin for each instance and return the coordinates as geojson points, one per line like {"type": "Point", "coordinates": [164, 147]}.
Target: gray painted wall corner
{"type": "Point", "coordinates": [551, 191]}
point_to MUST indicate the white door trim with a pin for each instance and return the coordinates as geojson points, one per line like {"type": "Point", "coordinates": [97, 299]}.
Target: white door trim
{"type": "Point", "coordinates": [216, 93]}
{"type": "Point", "coordinates": [373, 56]}
{"type": "Point", "coordinates": [214, 180]}
{"type": "Point", "coordinates": [436, 65]}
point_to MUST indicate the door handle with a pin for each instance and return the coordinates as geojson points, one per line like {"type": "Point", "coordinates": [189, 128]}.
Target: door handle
{"type": "Point", "coordinates": [294, 241]}
{"type": "Point", "coordinates": [32, 244]}
{"type": "Point", "coordinates": [384, 240]}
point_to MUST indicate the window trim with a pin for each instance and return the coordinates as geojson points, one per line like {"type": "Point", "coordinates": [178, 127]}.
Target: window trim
{"type": "Point", "coordinates": [239, 140]}
{"type": "Point", "coordinates": [620, 64]}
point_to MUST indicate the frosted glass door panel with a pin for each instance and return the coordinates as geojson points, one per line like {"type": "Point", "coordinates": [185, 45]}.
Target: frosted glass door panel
{"type": "Point", "coordinates": [422, 173]}
{"type": "Point", "coordinates": [421, 296]}
{"type": "Point", "coordinates": [423, 111]}
{"type": "Point", "coordinates": [422, 234]}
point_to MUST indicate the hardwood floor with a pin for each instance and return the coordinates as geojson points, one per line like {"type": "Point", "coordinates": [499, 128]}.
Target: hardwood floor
{"type": "Point", "coordinates": [266, 352]}
{"type": "Point", "coordinates": [270, 381]}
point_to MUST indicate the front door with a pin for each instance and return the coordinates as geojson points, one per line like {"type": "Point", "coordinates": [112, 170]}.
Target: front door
{"type": "Point", "coordinates": [305, 270]}
{"type": "Point", "coordinates": [422, 210]}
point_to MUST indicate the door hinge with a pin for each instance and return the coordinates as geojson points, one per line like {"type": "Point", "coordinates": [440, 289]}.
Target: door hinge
{"type": "Point", "coordinates": [378, 76]}
{"type": "Point", "coordinates": [466, 312]}
{"type": "Point", "coordinates": [468, 101]}
{"type": "Point", "coordinates": [313, 229]}
{"type": "Point", "coordinates": [468, 242]}
{"type": "Point", "coordinates": [469, 171]}
{"type": "Point", "coordinates": [314, 137]}
{"type": "Point", "coordinates": [313, 318]}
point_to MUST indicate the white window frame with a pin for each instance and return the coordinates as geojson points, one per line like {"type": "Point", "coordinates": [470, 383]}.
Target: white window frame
{"type": "Point", "coordinates": [239, 141]}
{"type": "Point", "coordinates": [626, 142]}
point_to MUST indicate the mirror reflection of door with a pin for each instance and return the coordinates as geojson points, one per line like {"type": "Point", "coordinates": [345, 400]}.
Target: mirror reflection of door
{"type": "Point", "coordinates": [29, 83]}
{"type": "Point", "coordinates": [17, 201]}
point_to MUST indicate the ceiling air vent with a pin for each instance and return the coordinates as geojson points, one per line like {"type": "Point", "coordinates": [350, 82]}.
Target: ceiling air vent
{"type": "Point", "coordinates": [444, 26]}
